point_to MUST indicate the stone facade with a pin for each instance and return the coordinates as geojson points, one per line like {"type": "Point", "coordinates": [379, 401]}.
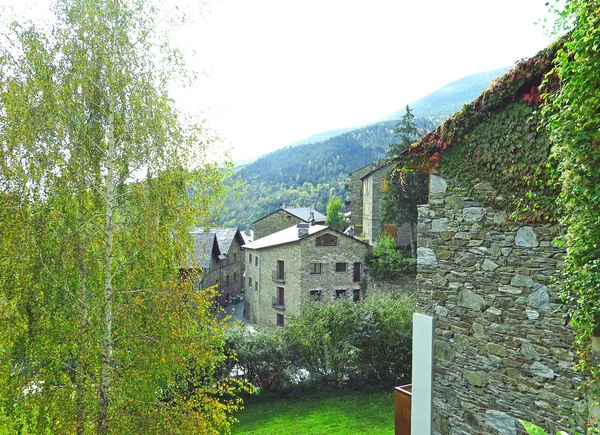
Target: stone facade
{"type": "Point", "coordinates": [302, 275]}
{"type": "Point", "coordinates": [285, 218]}
{"type": "Point", "coordinates": [502, 351]}
{"type": "Point", "coordinates": [274, 222]}
{"type": "Point", "coordinates": [373, 187]}
{"type": "Point", "coordinates": [356, 196]}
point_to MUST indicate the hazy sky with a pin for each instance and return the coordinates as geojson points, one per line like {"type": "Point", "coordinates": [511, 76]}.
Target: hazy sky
{"type": "Point", "coordinates": [277, 71]}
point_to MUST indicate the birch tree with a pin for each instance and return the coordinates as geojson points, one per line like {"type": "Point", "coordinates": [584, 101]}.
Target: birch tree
{"type": "Point", "coordinates": [99, 183]}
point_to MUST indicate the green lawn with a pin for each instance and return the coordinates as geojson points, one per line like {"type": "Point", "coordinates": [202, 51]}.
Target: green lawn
{"type": "Point", "coordinates": [341, 412]}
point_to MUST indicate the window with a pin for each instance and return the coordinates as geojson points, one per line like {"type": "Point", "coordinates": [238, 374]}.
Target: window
{"type": "Point", "coordinates": [227, 279]}
{"type": "Point", "coordinates": [316, 269]}
{"type": "Point", "coordinates": [250, 258]}
{"type": "Point", "coordinates": [256, 285]}
{"type": "Point", "coordinates": [235, 256]}
{"type": "Point", "coordinates": [340, 267]}
{"type": "Point", "coordinates": [280, 320]}
{"type": "Point", "coordinates": [356, 295]}
{"type": "Point", "coordinates": [384, 185]}
{"type": "Point", "coordinates": [250, 282]}
{"type": "Point", "coordinates": [281, 296]}
{"type": "Point", "coordinates": [339, 294]}
{"type": "Point", "coordinates": [256, 260]}
{"type": "Point", "coordinates": [327, 240]}
{"type": "Point", "coordinates": [315, 295]}
{"type": "Point", "coordinates": [356, 274]}
{"type": "Point", "coordinates": [235, 276]}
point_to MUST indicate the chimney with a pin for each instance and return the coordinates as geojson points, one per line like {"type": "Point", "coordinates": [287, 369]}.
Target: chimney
{"type": "Point", "coordinates": [302, 230]}
{"type": "Point", "coordinates": [311, 217]}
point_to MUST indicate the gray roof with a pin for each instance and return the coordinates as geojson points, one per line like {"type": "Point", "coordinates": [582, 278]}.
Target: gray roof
{"type": "Point", "coordinates": [377, 165]}
{"type": "Point", "coordinates": [204, 246]}
{"type": "Point", "coordinates": [225, 237]}
{"type": "Point", "coordinates": [304, 213]}
{"type": "Point", "coordinates": [288, 235]}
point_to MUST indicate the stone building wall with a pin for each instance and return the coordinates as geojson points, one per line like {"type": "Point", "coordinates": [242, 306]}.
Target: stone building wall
{"type": "Point", "coordinates": [373, 202]}
{"type": "Point", "coordinates": [502, 350]}
{"type": "Point", "coordinates": [231, 280]}
{"type": "Point", "coordinates": [356, 197]}
{"type": "Point", "coordinates": [298, 258]}
{"type": "Point", "coordinates": [274, 222]}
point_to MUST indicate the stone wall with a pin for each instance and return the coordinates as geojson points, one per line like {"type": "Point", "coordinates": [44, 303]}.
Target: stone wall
{"type": "Point", "coordinates": [502, 350]}
{"type": "Point", "coordinates": [298, 258]}
{"type": "Point", "coordinates": [404, 285]}
{"type": "Point", "coordinates": [280, 220]}
{"type": "Point", "coordinates": [373, 201]}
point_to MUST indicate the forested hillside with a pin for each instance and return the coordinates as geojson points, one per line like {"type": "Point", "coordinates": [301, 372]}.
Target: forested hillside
{"type": "Point", "coordinates": [307, 174]}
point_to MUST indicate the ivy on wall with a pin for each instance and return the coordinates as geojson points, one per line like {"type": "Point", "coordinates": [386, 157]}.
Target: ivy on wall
{"type": "Point", "coordinates": [573, 121]}
{"type": "Point", "coordinates": [511, 153]}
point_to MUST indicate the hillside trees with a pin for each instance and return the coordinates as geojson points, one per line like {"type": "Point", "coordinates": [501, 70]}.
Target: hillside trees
{"type": "Point", "coordinates": [99, 183]}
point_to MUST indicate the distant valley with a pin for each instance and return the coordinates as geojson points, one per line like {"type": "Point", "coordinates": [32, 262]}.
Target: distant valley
{"type": "Point", "coordinates": [309, 172]}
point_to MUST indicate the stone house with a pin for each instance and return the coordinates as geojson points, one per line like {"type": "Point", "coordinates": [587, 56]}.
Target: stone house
{"type": "Point", "coordinates": [300, 263]}
{"type": "Point", "coordinates": [284, 218]}
{"type": "Point", "coordinates": [367, 189]}
{"type": "Point", "coordinates": [217, 260]}
{"type": "Point", "coordinates": [500, 347]}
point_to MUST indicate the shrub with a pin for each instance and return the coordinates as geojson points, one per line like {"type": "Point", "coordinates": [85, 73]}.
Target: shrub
{"type": "Point", "coordinates": [385, 262]}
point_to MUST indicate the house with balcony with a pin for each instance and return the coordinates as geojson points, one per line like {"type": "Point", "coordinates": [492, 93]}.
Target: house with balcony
{"type": "Point", "coordinates": [299, 263]}
{"type": "Point", "coordinates": [285, 217]}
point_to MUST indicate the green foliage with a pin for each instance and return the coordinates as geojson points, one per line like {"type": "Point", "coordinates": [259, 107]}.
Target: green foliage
{"type": "Point", "coordinates": [348, 343]}
{"type": "Point", "coordinates": [99, 185]}
{"type": "Point", "coordinates": [532, 429]}
{"type": "Point", "coordinates": [339, 344]}
{"type": "Point", "coordinates": [335, 214]}
{"type": "Point", "coordinates": [262, 356]}
{"type": "Point", "coordinates": [512, 153]}
{"type": "Point", "coordinates": [386, 262]}
{"type": "Point", "coordinates": [573, 121]}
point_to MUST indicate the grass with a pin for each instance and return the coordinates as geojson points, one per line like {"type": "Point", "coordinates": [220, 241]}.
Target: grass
{"type": "Point", "coordinates": [339, 412]}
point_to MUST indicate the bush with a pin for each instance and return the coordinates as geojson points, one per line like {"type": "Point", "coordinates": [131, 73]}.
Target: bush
{"type": "Point", "coordinates": [344, 343]}
{"type": "Point", "coordinates": [261, 357]}
{"type": "Point", "coordinates": [385, 262]}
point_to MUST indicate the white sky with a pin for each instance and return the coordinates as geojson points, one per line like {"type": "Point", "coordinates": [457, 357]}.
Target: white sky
{"type": "Point", "coordinates": [277, 71]}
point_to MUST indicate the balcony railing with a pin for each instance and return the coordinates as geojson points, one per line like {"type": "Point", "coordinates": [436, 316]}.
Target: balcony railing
{"type": "Point", "coordinates": [278, 276]}
{"type": "Point", "coordinates": [278, 304]}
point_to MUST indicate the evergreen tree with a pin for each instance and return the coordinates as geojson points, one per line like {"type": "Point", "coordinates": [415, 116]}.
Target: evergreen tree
{"type": "Point", "coordinates": [405, 190]}
{"type": "Point", "coordinates": [335, 214]}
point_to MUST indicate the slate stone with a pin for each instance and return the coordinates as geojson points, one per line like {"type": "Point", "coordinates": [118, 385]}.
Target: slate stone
{"type": "Point", "coordinates": [466, 259]}
{"type": "Point", "coordinates": [539, 297]}
{"type": "Point", "coordinates": [506, 251]}
{"type": "Point", "coordinates": [521, 281]}
{"type": "Point", "coordinates": [489, 265]}
{"type": "Point", "coordinates": [439, 280]}
{"type": "Point", "coordinates": [510, 290]}
{"type": "Point", "coordinates": [471, 300]}
{"type": "Point", "coordinates": [529, 351]}
{"type": "Point", "coordinates": [439, 225]}
{"type": "Point", "coordinates": [526, 237]}
{"type": "Point", "coordinates": [500, 218]}
{"type": "Point", "coordinates": [443, 254]}
{"type": "Point", "coordinates": [478, 379]}
{"type": "Point", "coordinates": [532, 314]}
{"type": "Point", "coordinates": [496, 349]}
{"type": "Point", "coordinates": [453, 202]}
{"type": "Point", "coordinates": [503, 423]}
{"type": "Point", "coordinates": [437, 185]}
{"type": "Point", "coordinates": [495, 250]}
{"type": "Point", "coordinates": [541, 370]}
{"type": "Point", "coordinates": [471, 214]}
{"type": "Point", "coordinates": [426, 256]}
